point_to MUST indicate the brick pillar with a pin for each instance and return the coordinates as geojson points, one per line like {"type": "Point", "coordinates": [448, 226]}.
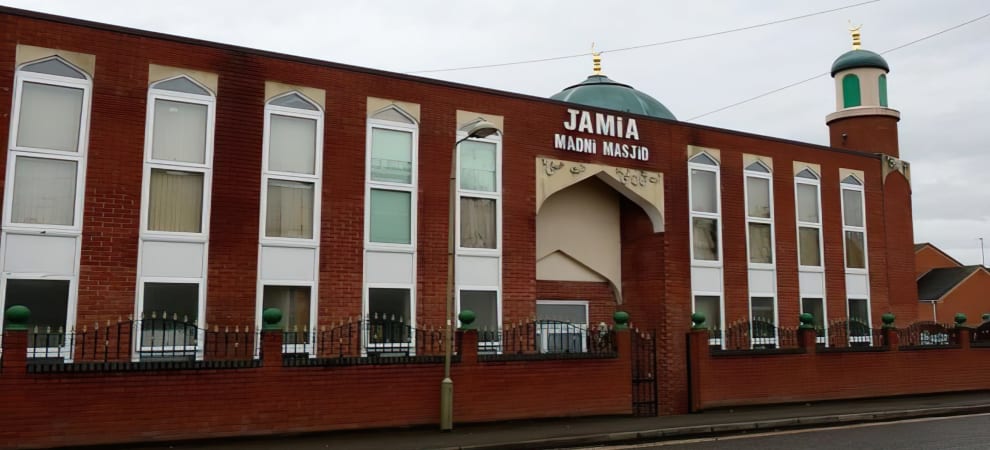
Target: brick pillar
{"type": "Point", "coordinates": [808, 339]}
{"type": "Point", "coordinates": [964, 335]}
{"type": "Point", "coordinates": [15, 341]}
{"type": "Point", "coordinates": [271, 348]}
{"type": "Point", "coordinates": [468, 349]}
{"type": "Point", "coordinates": [891, 339]}
{"type": "Point", "coordinates": [698, 354]}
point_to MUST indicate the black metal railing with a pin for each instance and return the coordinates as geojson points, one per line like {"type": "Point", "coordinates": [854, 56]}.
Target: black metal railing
{"type": "Point", "coordinates": [927, 334]}
{"type": "Point", "coordinates": [374, 337]}
{"type": "Point", "coordinates": [981, 335]}
{"type": "Point", "coordinates": [853, 334]}
{"type": "Point", "coordinates": [757, 334]}
{"type": "Point", "coordinates": [550, 337]}
{"type": "Point", "coordinates": [154, 338]}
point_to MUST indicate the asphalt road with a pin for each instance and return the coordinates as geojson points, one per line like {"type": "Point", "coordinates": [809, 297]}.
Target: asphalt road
{"type": "Point", "coordinates": [937, 433]}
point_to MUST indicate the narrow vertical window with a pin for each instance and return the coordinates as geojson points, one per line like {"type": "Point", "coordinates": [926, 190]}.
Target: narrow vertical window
{"type": "Point", "coordinates": [850, 91]}
{"type": "Point", "coordinates": [391, 182]}
{"type": "Point", "coordinates": [853, 225]}
{"type": "Point", "coordinates": [43, 199]}
{"type": "Point", "coordinates": [882, 85]}
{"type": "Point", "coordinates": [291, 179]}
{"type": "Point", "coordinates": [705, 212]}
{"type": "Point", "coordinates": [759, 216]}
{"type": "Point", "coordinates": [808, 219]}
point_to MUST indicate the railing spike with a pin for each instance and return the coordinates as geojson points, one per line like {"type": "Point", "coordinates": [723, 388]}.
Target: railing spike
{"type": "Point", "coordinates": [108, 322]}
{"type": "Point", "coordinates": [154, 315]}
{"type": "Point", "coordinates": [185, 318]}
{"type": "Point", "coordinates": [175, 317]}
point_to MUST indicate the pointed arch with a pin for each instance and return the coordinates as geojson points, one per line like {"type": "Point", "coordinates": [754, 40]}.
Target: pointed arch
{"type": "Point", "coordinates": [703, 158]}
{"type": "Point", "coordinates": [758, 167]}
{"type": "Point", "coordinates": [55, 65]}
{"type": "Point", "coordinates": [183, 84]}
{"type": "Point", "coordinates": [393, 113]}
{"type": "Point", "coordinates": [295, 100]}
{"type": "Point", "coordinates": [850, 91]}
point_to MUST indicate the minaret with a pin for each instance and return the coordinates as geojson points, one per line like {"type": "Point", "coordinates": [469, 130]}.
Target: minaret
{"type": "Point", "coordinates": [862, 119]}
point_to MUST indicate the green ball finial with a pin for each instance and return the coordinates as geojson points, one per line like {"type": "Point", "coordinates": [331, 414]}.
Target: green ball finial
{"type": "Point", "coordinates": [960, 319]}
{"type": "Point", "coordinates": [807, 321]}
{"type": "Point", "coordinates": [621, 319]}
{"type": "Point", "coordinates": [888, 320]}
{"type": "Point", "coordinates": [986, 317]}
{"type": "Point", "coordinates": [271, 317]}
{"type": "Point", "coordinates": [698, 319]}
{"type": "Point", "coordinates": [467, 319]}
{"type": "Point", "coordinates": [17, 317]}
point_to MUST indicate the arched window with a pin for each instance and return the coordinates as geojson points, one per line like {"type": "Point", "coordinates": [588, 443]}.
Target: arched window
{"type": "Point", "coordinates": [850, 91]}
{"type": "Point", "coordinates": [883, 89]}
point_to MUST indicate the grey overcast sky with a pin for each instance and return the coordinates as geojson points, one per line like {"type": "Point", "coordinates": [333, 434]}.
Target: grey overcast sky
{"type": "Point", "coordinates": [940, 85]}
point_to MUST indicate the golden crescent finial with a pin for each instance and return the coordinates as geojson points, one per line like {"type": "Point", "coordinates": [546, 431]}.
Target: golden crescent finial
{"type": "Point", "coordinates": [596, 58]}
{"type": "Point", "coordinates": [854, 30]}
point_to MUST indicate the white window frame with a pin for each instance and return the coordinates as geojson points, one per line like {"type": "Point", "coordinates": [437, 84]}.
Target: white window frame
{"type": "Point", "coordinates": [200, 322]}
{"type": "Point", "coordinates": [754, 341]}
{"type": "Point", "coordinates": [468, 193]}
{"type": "Point", "coordinates": [717, 215]}
{"type": "Point", "coordinates": [760, 220]}
{"type": "Point", "coordinates": [817, 184]}
{"type": "Point", "coordinates": [206, 168]}
{"type": "Point", "coordinates": [485, 346]}
{"type": "Point", "coordinates": [869, 322]}
{"type": "Point", "coordinates": [411, 187]}
{"type": "Point", "coordinates": [79, 157]}
{"type": "Point", "coordinates": [716, 341]}
{"type": "Point", "coordinates": [316, 179]}
{"type": "Point", "coordinates": [313, 308]}
{"type": "Point", "coordinates": [366, 345]}
{"type": "Point", "coordinates": [544, 330]}
{"type": "Point", "coordinates": [859, 229]}
{"type": "Point", "coordinates": [818, 339]}
{"type": "Point", "coordinates": [64, 351]}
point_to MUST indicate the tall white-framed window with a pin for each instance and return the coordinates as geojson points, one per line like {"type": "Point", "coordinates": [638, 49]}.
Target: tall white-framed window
{"type": "Point", "coordinates": [811, 266]}
{"type": "Point", "coordinates": [175, 217]}
{"type": "Point", "coordinates": [389, 305]}
{"type": "Point", "coordinates": [478, 215]}
{"type": "Point", "coordinates": [562, 326]}
{"type": "Point", "coordinates": [289, 236]}
{"type": "Point", "coordinates": [43, 198]}
{"type": "Point", "coordinates": [807, 187]}
{"type": "Point", "coordinates": [857, 277]}
{"type": "Point", "coordinates": [291, 171]}
{"type": "Point", "coordinates": [705, 200]}
{"type": "Point", "coordinates": [853, 224]}
{"type": "Point", "coordinates": [706, 231]}
{"type": "Point", "coordinates": [760, 241]}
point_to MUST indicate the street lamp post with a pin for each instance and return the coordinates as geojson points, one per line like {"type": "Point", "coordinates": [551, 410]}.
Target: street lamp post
{"type": "Point", "coordinates": [477, 130]}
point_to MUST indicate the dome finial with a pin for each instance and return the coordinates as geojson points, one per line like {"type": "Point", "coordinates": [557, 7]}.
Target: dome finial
{"type": "Point", "coordinates": [854, 30]}
{"type": "Point", "coordinates": [596, 57]}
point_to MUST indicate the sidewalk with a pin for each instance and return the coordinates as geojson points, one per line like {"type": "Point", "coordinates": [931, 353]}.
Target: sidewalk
{"type": "Point", "coordinates": [610, 430]}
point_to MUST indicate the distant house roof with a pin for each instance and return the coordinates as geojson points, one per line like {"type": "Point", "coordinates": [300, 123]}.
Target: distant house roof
{"type": "Point", "coordinates": [921, 246]}
{"type": "Point", "coordinates": [938, 282]}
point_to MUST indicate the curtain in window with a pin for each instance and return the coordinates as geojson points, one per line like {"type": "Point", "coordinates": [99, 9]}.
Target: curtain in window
{"type": "Point", "coordinates": [290, 209]}
{"type": "Point", "coordinates": [477, 166]}
{"type": "Point", "coordinates": [50, 117]}
{"type": "Point", "coordinates": [179, 132]}
{"type": "Point", "coordinates": [855, 251]}
{"type": "Point", "coordinates": [293, 301]}
{"type": "Point", "coordinates": [170, 314]}
{"type": "Point", "coordinates": [485, 307]}
{"type": "Point", "coordinates": [292, 144]}
{"type": "Point", "coordinates": [391, 155]}
{"type": "Point", "coordinates": [760, 246]}
{"type": "Point", "coordinates": [759, 197]}
{"type": "Point", "coordinates": [808, 247]}
{"type": "Point", "coordinates": [859, 317]}
{"type": "Point", "coordinates": [704, 191]}
{"type": "Point", "coordinates": [852, 213]}
{"type": "Point", "coordinates": [807, 197]}
{"type": "Point", "coordinates": [478, 223]}
{"type": "Point", "coordinates": [705, 239]}
{"type": "Point", "coordinates": [44, 191]}
{"type": "Point", "coordinates": [175, 201]}
{"type": "Point", "coordinates": [390, 216]}
{"type": "Point", "coordinates": [816, 308]}
{"type": "Point", "coordinates": [762, 317]}
{"type": "Point", "coordinates": [711, 307]}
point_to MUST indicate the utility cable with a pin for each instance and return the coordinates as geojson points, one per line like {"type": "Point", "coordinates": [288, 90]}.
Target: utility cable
{"type": "Point", "coordinates": [797, 83]}
{"type": "Point", "coordinates": [655, 44]}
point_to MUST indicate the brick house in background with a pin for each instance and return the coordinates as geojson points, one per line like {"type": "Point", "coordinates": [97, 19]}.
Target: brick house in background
{"type": "Point", "coordinates": [947, 287]}
{"type": "Point", "coordinates": [149, 174]}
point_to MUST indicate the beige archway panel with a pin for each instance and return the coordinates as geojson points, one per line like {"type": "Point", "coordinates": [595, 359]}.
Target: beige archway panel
{"type": "Point", "coordinates": [643, 187]}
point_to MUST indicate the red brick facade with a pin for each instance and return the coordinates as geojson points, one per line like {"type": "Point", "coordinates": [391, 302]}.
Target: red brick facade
{"type": "Point", "coordinates": [656, 267]}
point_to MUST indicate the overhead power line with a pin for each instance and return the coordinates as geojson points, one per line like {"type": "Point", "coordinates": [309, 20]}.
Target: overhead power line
{"type": "Point", "coordinates": [797, 83]}
{"type": "Point", "coordinates": [655, 44]}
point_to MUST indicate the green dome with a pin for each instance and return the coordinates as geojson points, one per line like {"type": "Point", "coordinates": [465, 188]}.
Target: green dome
{"type": "Point", "coordinates": [855, 59]}
{"type": "Point", "coordinates": [601, 92]}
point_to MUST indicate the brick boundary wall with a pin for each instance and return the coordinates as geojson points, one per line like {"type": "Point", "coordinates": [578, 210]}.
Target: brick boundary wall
{"type": "Point", "coordinates": [812, 374]}
{"type": "Point", "coordinates": [58, 409]}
